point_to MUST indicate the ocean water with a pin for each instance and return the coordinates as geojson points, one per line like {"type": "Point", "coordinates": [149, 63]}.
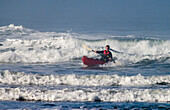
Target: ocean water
{"type": "Point", "coordinates": [41, 51]}
{"type": "Point", "coordinates": [43, 70]}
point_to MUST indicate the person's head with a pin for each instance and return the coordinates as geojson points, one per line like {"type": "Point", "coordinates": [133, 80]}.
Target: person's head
{"type": "Point", "coordinates": [107, 47]}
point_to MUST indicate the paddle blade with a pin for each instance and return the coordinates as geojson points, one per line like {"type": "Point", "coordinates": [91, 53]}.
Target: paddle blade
{"type": "Point", "coordinates": [88, 48]}
{"type": "Point", "coordinates": [115, 51]}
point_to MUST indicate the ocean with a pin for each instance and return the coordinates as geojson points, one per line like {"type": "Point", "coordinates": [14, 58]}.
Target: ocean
{"type": "Point", "coordinates": [41, 55]}
{"type": "Point", "coordinates": [44, 70]}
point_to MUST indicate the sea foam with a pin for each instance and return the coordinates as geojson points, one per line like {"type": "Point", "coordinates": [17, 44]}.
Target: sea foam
{"type": "Point", "coordinates": [34, 87]}
{"type": "Point", "coordinates": [91, 94]}
{"type": "Point", "coordinates": [19, 44]}
{"type": "Point", "coordinates": [21, 78]}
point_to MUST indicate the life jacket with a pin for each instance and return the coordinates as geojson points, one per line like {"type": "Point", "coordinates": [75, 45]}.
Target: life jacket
{"type": "Point", "coordinates": [106, 55]}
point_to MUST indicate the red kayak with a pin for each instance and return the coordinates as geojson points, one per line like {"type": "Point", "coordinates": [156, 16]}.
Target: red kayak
{"type": "Point", "coordinates": [92, 62]}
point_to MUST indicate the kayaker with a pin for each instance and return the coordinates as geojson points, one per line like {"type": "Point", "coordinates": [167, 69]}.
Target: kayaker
{"type": "Point", "coordinates": [106, 54]}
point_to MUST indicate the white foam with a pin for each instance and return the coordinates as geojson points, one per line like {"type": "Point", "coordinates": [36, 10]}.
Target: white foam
{"type": "Point", "coordinates": [45, 50]}
{"type": "Point", "coordinates": [28, 46]}
{"type": "Point", "coordinates": [12, 30]}
{"type": "Point", "coordinates": [87, 94]}
{"type": "Point", "coordinates": [34, 87]}
{"type": "Point", "coordinates": [128, 36]}
{"type": "Point", "coordinates": [20, 78]}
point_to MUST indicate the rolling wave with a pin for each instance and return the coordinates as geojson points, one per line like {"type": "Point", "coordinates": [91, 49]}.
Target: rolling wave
{"type": "Point", "coordinates": [67, 94]}
{"type": "Point", "coordinates": [19, 44]}
{"type": "Point", "coordinates": [34, 87]}
{"type": "Point", "coordinates": [21, 78]}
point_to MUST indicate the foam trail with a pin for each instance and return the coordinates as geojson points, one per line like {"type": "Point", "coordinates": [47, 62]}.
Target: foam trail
{"type": "Point", "coordinates": [21, 78]}
{"type": "Point", "coordinates": [106, 95]}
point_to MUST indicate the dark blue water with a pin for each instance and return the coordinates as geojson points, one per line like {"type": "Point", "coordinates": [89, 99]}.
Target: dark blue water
{"type": "Point", "coordinates": [83, 105]}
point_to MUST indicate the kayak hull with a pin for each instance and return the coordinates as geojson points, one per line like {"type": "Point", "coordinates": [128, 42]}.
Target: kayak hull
{"type": "Point", "coordinates": [92, 62]}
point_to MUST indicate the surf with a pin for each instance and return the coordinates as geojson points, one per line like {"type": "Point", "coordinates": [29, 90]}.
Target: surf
{"type": "Point", "coordinates": [22, 78]}
{"type": "Point", "coordinates": [22, 45]}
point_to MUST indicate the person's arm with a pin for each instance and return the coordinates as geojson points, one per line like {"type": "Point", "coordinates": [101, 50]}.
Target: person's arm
{"type": "Point", "coordinates": [99, 51]}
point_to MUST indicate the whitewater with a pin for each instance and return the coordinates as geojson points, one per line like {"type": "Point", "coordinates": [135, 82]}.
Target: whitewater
{"type": "Point", "coordinates": [47, 67]}
{"type": "Point", "coordinates": [19, 44]}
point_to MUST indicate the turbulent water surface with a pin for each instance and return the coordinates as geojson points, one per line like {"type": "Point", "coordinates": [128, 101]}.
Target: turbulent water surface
{"type": "Point", "coordinates": [45, 70]}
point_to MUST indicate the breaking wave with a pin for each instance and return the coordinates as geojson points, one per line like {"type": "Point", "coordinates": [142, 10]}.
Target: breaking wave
{"type": "Point", "coordinates": [19, 44]}
{"type": "Point", "coordinates": [34, 87]}
{"type": "Point", "coordinates": [105, 95]}
{"type": "Point", "coordinates": [21, 78]}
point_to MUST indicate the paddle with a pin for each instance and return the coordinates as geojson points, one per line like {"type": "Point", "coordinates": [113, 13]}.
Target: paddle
{"type": "Point", "coordinates": [88, 48]}
{"type": "Point", "coordinates": [98, 53]}
{"type": "Point", "coordinates": [94, 51]}
{"type": "Point", "coordinates": [115, 51]}
{"type": "Point", "coordinates": [114, 60]}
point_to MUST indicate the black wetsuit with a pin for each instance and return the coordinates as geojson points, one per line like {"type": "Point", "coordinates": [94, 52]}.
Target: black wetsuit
{"type": "Point", "coordinates": [105, 55]}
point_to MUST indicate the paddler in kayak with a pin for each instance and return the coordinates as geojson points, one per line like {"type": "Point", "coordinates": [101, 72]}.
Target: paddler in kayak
{"type": "Point", "coordinates": [106, 54]}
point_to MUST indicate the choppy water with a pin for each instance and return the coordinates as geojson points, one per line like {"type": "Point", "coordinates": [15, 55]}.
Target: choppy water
{"type": "Point", "coordinates": [45, 70]}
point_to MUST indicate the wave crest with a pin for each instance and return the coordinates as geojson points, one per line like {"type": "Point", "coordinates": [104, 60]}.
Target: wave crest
{"type": "Point", "coordinates": [18, 78]}
{"type": "Point", "coordinates": [19, 44]}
